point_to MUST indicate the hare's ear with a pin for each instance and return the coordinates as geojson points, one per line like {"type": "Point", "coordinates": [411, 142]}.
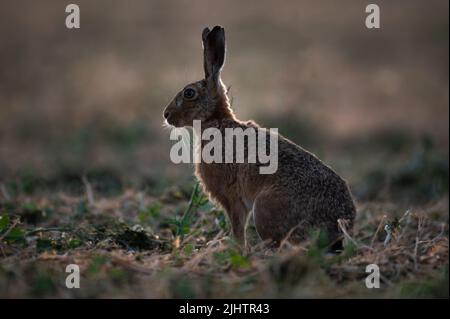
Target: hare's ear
{"type": "Point", "coordinates": [214, 52]}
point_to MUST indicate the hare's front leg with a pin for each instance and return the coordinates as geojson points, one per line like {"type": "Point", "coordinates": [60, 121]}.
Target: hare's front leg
{"type": "Point", "coordinates": [237, 213]}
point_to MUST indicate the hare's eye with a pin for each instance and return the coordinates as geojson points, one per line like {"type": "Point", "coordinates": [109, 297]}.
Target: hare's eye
{"type": "Point", "coordinates": [189, 94]}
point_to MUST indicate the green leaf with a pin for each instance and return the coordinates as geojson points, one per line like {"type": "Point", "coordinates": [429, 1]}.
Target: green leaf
{"type": "Point", "coordinates": [4, 222]}
{"type": "Point", "coordinates": [74, 243]}
{"type": "Point", "coordinates": [188, 249]}
{"type": "Point", "coordinates": [239, 261]}
{"type": "Point", "coordinates": [15, 235]}
{"type": "Point", "coordinates": [30, 206]}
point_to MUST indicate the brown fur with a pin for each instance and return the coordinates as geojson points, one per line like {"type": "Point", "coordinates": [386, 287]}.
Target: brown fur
{"type": "Point", "coordinates": [302, 195]}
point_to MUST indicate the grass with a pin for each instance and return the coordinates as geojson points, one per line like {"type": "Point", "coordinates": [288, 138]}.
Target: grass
{"type": "Point", "coordinates": [178, 245]}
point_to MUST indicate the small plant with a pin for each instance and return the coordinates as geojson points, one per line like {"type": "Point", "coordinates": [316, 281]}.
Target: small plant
{"type": "Point", "coordinates": [10, 231]}
{"type": "Point", "coordinates": [197, 200]}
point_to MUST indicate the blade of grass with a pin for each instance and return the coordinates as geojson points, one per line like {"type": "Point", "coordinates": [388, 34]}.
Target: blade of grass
{"type": "Point", "coordinates": [188, 212]}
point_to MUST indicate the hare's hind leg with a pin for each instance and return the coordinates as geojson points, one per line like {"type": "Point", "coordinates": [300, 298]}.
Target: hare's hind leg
{"type": "Point", "coordinates": [275, 218]}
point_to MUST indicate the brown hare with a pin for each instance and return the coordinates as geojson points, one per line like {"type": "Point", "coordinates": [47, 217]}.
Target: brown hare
{"type": "Point", "coordinates": [302, 195]}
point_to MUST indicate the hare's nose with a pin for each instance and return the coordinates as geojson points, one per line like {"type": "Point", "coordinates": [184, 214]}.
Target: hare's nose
{"type": "Point", "coordinates": [166, 114]}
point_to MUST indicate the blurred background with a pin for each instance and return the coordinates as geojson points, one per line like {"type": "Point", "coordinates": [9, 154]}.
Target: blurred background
{"type": "Point", "coordinates": [371, 103]}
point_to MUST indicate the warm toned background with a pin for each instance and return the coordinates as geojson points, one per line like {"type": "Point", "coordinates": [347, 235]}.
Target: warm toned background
{"type": "Point", "coordinates": [88, 102]}
{"type": "Point", "coordinates": [80, 100]}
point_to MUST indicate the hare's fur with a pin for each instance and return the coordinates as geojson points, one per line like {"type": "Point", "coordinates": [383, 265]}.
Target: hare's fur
{"type": "Point", "coordinates": [302, 195]}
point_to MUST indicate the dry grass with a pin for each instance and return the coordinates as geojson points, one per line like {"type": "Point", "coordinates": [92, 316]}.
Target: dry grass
{"type": "Point", "coordinates": [158, 260]}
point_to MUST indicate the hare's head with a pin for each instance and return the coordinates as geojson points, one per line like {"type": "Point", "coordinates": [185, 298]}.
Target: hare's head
{"type": "Point", "coordinates": [206, 99]}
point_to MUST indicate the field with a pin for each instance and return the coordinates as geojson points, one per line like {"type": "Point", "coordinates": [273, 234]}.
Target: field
{"type": "Point", "coordinates": [85, 173]}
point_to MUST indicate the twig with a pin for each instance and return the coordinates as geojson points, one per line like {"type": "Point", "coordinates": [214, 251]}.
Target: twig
{"type": "Point", "coordinates": [247, 221]}
{"type": "Point", "coordinates": [348, 237]}
{"type": "Point", "coordinates": [341, 224]}
{"type": "Point", "coordinates": [211, 246]}
{"type": "Point", "coordinates": [286, 238]}
{"type": "Point", "coordinates": [14, 224]}
{"type": "Point", "coordinates": [406, 214]}
{"type": "Point", "coordinates": [416, 246]}
{"type": "Point", "coordinates": [5, 192]}
{"type": "Point", "coordinates": [387, 281]}
{"type": "Point", "coordinates": [408, 221]}
{"type": "Point", "coordinates": [89, 192]}
{"type": "Point", "coordinates": [217, 239]}
{"type": "Point", "coordinates": [380, 226]}
{"type": "Point", "coordinates": [41, 230]}
{"type": "Point", "coordinates": [440, 234]}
